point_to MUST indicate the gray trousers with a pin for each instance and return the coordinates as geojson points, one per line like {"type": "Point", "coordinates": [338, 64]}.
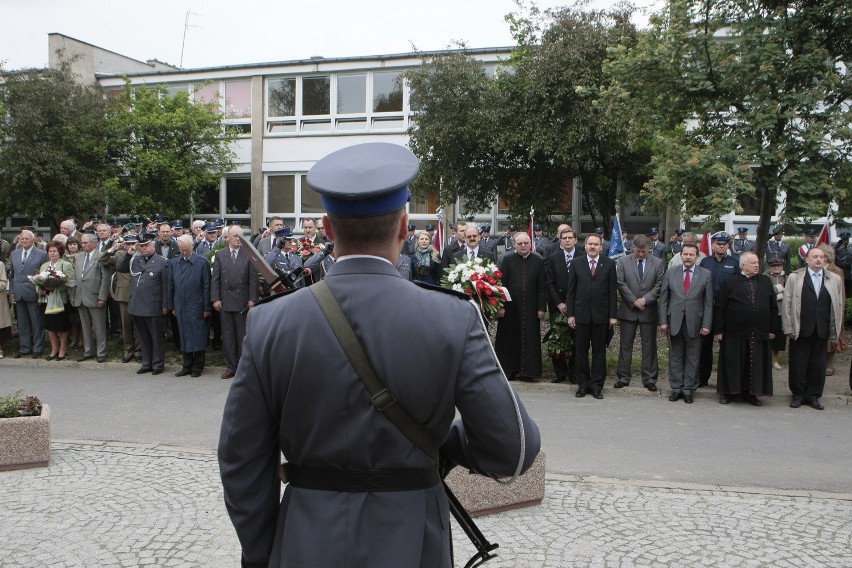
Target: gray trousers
{"type": "Point", "coordinates": [233, 332]}
{"type": "Point", "coordinates": [684, 355]}
{"type": "Point", "coordinates": [150, 330]}
{"type": "Point", "coordinates": [30, 326]}
{"type": "Point", "coordinates": [93, 319]}
{"type": "Point", "coordinates": [648, 331]}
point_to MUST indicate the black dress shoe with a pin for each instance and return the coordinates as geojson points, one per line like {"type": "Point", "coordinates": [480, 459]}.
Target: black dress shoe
{"type": "Point", "coordinates": [795, 403]}
{"type": "Point", "coordinates": [753, 400]}
{"type": "Point", "coordinates": [157, 372]}
{"type": "Point", "coordinates": [182, 373]}
{"type": "Point", "coordinates": [101, 359]}
{"type": "Point", "coordinates": [85, 358]}
{"type": "Point", "coordinates": [143, 370]}
{"type": "Point", "coordinates": [703, 383]}
{"type": "Point", "coordinates": [724, 399]}
{"type": "Point", "coordinates": [36, 355]}
{"type": "Point", "coordinates": [815, 404]}
{"type": "Point", "coordinates": [50, 358]}
{"type": "Point", "coordinates": [196, 374]}
{"type": "Point", "coordinates": [572, 380]}
{"type": "Point", "coordinates": [127, 359]}
{"type": "Point", "coordinates": [558, 380]}
{"type": "Point", "coordinates": [675, 396]}
{"type": "Point", "coordinates": [651, 387]}
{"type": "Point", "coordinates": [620, 384]}
{"type": "Point", "coordinates": [580, 393]}
{"type": "Point", "coordinates": [597, 395]}
{"type": "Point", "coordinates": [58, 358]}
{"type": "Point", "coordinates": [687, 398]}
{"type": "Point", "coordinates": [18, 354]}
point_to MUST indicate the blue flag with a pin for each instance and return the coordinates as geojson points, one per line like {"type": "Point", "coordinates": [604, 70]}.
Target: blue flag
{"type": "Point", "coordinates": [616, 240]}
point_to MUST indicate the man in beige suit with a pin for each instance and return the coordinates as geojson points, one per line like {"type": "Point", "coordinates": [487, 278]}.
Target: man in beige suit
{"type": "Point", "coordinates": [90, 297]}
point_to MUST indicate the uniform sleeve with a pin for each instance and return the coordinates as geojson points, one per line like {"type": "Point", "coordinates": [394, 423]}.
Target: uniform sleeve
{"type": "Point", "coordinates": [249, 459]}
{"type": "Point", "coordinates": [495, 433]}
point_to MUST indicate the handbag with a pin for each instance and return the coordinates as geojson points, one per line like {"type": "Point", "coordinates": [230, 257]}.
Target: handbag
{"type": "Point", "coordinates": [54, 303]}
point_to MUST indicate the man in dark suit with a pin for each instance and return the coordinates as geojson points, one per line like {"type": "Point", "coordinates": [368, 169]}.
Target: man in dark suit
{"type": "Point", "coordinates": [359, 492]}
{"type": "Point", "coordinates": [812, 315]}
{"type": "Point", "coordinates": [471, 249]}
{"type": "Point", "coordinates": [640, 276]}
{"type": "Point", "coordinates": [26, 261]}
{"type": "Point", "coordinates": [233, 291]}
{"type": "Point", "coordinates": [591, 311]}
{"type": "Point", "coordinates": [454, 246]}
{"type": "Point", "coordinates": [686, 314]}
{"type": "Point", "coordinates": [90, 298]}
{"type": "Point", "coordinates": [557, 267]}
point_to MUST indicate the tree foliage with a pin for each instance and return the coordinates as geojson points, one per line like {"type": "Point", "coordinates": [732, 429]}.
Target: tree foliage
{"type": "Point", "coordinates": [764, 93]}
{"type": "Point", "coordinates": [538, 123]}
{"type": "Point", "coordinates": [174, 148]}
{"type": "Point", "coordinates": [55, 152]}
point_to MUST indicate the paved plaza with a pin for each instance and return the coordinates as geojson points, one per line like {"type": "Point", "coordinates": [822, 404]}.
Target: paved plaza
{"type": "Point", "coordinates": [152, 496]}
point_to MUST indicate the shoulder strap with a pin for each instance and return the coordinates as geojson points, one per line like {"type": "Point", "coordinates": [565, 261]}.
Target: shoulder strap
{"type": "Point", "coordinates": [380, 396]}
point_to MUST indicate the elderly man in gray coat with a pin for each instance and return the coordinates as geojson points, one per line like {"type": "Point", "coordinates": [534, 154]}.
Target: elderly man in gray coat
{"type": "Point", "coordinates": [360, 493]}
{"type": "Point", "coordinates": [90, 298]}
{"type": "Point", "coordinates": [686, 314]}
{"type": "Point", "coordinates": [26, 261]}
{"type": "Point", "coordinates": [188, 299]}
{"type": "Point", "coordinates": [638, 276]}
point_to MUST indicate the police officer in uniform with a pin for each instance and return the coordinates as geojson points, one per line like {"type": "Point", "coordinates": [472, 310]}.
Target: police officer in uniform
{"type": "Point", "coordinates": [658, 249]}
{"type": "Point", "coordinates": [776, 247]}
{"type": "Point", "coordinates": [675, 244]}
{"type": "Point", "coordinates": [148, 300]}
{"type": "Point", "coordinates": [741, 244]}
{"type": "Point", "coordinates": [282, 259]}
{"type": "Point", "coordinates": [486, 241]}
{"type": "Point", "coordinates": [297, 393]}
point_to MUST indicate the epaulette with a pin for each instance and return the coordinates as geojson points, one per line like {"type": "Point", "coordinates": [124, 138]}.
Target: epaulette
{"type": "Point", "coordinates": [450, 291]}
{"type": "Point", "coordinates": [268, 299]}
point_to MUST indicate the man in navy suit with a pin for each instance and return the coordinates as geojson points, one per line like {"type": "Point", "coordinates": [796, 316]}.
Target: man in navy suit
{"type": "Point", "coordinates": [471, 247]}
{"type": "Point", "coordinates": [26, 261]}
{"type": "Point", "coordinates": [558, 266]}
{"type": "Point", "coordinates": [591, 311]}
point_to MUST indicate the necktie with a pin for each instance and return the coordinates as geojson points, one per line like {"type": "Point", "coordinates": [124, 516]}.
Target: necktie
{"type": "Point", "coordinates": [593, 267]}
{"type": "Point", "coordinates": [85, 263]}
{"type": "Point", "coordinates": [24, 258]}
{"type": "Point", "coordinates": [472, 255]}
{"type": "Point", "coordinates": [817, 282]}
{"type": "Point", "coordinates": [641, 269]}
{"type": "Point", "coordinates": [687, 280]}
{"type": "Point", "coordinates": [233, 255]}
{"type": "Point", "coordinates": [568, 260]}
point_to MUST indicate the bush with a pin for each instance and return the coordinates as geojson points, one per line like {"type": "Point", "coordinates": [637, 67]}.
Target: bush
{"type": "Point", "coordinates": [13, 406]}
{"type": "Point", "coordinates": [848, 312]}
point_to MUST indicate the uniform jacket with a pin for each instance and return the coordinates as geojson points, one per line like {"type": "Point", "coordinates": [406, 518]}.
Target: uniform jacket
{"type": "Point", "coordinates": [20, 285]}
{"type": "Point", "coordinates": [631, 288]}
{"type": "Point", "coordinates": [298, 377]}
{"type": "Point", "coordinates": [694, 310]}
{"type": "Point", "coordinates": [233, 282]}
{"type": "Point", "coordinates": [779, 248]}
{"type": "Point", "coordinates": [120, 284]}
{"type": "Point", "coordinates": [720, 269]}
{"type": "Point", "coordinates": [591, 299]}
{"type": "Point", "coordinates": [189, 296]}
{"type": "Point", "coordinates": [93, 283]}
{"type": "Point", "coordinates": [148, 283]}
{"type": "Point", "coordinates": [658, 249]}
{"type": "Point", "coordinates": [791, 310]}
{"type": "Point", "coordinates": [403, 266]}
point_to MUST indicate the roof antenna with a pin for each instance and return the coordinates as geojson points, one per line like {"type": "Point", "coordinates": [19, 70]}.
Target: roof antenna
{"type": "Point", "coordinates": [186, 26]}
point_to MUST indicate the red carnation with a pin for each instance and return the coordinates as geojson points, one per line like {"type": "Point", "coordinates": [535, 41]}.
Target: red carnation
{"type": "Point", "coordinates": [488, 291]}
{"type": "Point", "coordinates": [492, 301]}
{"type": "Point", "coordinates": [474, 277]}
{"type": "Point", "coordinates": [498, 274]}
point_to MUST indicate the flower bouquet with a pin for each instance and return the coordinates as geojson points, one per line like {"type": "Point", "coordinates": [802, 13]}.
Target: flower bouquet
{"type": "Point", "coordinates": [559, 339]}
{"type": "Point", "coordinates": [306, 249]}
{"type": "Point", "coordinates": [480, 279]}
{"type": "Point", "coordinates": [48, 283]}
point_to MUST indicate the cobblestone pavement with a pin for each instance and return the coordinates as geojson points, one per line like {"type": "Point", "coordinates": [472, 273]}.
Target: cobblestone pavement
{"type": "Point", "coordinates": [118, 504]}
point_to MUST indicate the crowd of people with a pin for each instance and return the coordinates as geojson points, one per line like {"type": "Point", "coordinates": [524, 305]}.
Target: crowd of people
{"type": "Point", "coordinates": [149, 283]}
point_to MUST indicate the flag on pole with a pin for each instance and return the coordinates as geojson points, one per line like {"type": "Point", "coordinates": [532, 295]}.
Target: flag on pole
{"type": "Point", "coordinates": [616, 239]}
{"type": "Point", "coordinates": [530, 228]}
{"type": "Point", "coordinates": [705, 245]}
{"type": "Point", "coordinates": [438, 240]}
{"type": "Point", "coordinates": [826, 230]}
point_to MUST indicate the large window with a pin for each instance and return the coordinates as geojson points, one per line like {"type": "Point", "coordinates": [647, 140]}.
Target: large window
{"type": "Point", "coordinates": [281, 194]}
{"type": "Point", "coordinates": [238, 99]}
{"type": "Point", "coordinates": [237, 196]}
{"type": "Point", "coordinates": [232, 96]}
{"type": "Point", "coordinates": [311, 201]}
{"type": "Point", "coordinates": [345, 102]}
{"type": "Point", "coordinates": [206, 201]}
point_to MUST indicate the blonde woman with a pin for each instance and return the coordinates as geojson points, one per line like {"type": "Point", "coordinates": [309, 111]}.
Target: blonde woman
{"type": "Point", "coordinates": [57, 325]}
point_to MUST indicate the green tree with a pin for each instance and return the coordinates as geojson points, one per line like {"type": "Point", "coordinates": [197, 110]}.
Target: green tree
{"type": "Point", "coordinates": [541, 121]}
{"type": "Point", "coordinates": [55, 155]}
{"type": "Point", "coordinates": [746, 99]}
{"type": "Point", "coordinates": [173, 149]}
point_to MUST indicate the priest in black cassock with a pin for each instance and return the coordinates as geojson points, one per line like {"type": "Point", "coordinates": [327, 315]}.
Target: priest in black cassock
{"type": "Point", "coordinates": [745, 319]}
{"type": "Point", "coordinates": [518, 342]}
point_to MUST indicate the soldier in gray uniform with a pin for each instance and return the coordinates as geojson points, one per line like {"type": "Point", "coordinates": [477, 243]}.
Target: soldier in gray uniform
{"type": "Point", "coordinates": [741, 244]}
{"type": "Point", "coordinates": [776, 247]}
{"type": "Point", "coordinates": [282, 259]}
{"type": "Point", "coordinates": [658, 249]}
{"type": "Point", "coordinates": [148, 300]}
{"type": "Point", "coordinates": [297, 393]}
{"type": "Point", "coordinates": [486, 241]}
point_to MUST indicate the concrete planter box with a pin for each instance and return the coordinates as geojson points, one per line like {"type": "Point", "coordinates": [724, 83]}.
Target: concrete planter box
{"type": "Point", "coordinates": [25, 441]}
{"type": "Point", "coordinates": [484, 496]}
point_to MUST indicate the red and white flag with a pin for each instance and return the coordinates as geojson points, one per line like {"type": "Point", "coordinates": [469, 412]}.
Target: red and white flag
{"type": "Point", "coordinates": [705, 245]}
{"type": "Point", "coordinates": [824, 233]}
{"type": "Point", "coordinates": [438, 240]}
{"type": "Point", "coordinates": [530, 228]}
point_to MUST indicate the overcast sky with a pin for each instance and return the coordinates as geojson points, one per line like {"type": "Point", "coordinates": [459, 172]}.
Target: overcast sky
{"type": "Point", "coordinates": [253, 31]}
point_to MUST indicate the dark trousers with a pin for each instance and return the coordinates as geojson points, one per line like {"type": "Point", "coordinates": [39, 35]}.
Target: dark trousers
{"type": "Point", "coordinates": [216, 325]}
{"type": "Point", "coordinates": [193, 361]}
{"type": "Point", "coordinates": [808, 356]}
{"type": "Point", "coordinates": [149, 330]}
{"type": "Point", "coordinates": [233, 331]}
{"type": "Point", "coordinates": [114, 316]}
{"type": "Point", "coordinates": [173, 323]}
{"type": "Point", "coordinates": [591, 335]}
{"type": "Point", "coordinates": [705, 366]}
{"type": "Point", "coordinates": [30, 326]}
